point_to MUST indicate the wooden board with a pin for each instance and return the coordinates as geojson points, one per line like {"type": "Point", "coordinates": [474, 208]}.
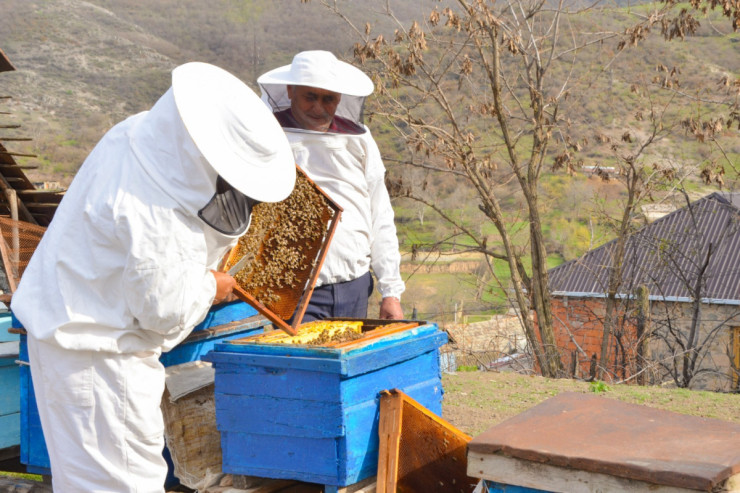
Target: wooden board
{"type": "Point", "coordinates": [418, 450]}
{"type": "Point", "coordinates": [519, 476]}
{"type": "Point", "coordinates": [299, 227]}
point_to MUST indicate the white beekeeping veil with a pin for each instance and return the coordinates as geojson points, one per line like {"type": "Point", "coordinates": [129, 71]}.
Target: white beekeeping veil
{"type": "Point", "coordinates": [323, 70]}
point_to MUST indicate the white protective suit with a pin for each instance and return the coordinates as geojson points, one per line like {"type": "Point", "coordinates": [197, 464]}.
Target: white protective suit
{"type": "Point", "coordinates": [350, 170]}
{"type": "Point", "coordinates": [347, 166]}
{"type": "Point", "coordinates": [121, 275]}
{"type": "Point", "coordinates": [131, 272]}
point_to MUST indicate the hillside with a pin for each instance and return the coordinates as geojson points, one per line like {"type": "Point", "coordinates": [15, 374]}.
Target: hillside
{"type": "Point", "coordinates": [85, 65]}
{"type": "Point", "coordinates": [82, 66]}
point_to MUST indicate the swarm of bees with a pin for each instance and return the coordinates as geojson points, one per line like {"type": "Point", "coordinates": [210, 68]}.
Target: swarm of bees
{"type": "Point", "coordinates": [284, 239]}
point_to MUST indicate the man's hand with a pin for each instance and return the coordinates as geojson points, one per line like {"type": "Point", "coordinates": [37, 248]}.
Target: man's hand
{"type": "Point", "coordinates": [390, 309]}
{"type": "Point", "coordinates": [224, 287]}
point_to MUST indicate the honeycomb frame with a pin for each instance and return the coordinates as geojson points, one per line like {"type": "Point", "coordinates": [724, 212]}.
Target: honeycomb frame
{"type": "Point", "coordinates": [288, 241]}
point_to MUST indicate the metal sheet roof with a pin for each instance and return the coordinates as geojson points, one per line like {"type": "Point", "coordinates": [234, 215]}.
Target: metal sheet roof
{"type": "Point", "coordinates": [667, 256]}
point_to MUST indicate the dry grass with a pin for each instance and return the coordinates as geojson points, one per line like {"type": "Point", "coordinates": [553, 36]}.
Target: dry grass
{"type": "Point", "coordinates": [475, 401]}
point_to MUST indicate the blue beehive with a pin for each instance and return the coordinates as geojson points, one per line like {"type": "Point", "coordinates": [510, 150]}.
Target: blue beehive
{"type": "Point", "coordinates": [310, 413]}
{"type": "Point", "coordinates": [224, 321]}
{"type": "Point", "coordinates": [10, 418]}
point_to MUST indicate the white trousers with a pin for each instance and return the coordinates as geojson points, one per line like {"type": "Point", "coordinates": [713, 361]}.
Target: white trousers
{"type": "Point", "coordinates": [100, 413]}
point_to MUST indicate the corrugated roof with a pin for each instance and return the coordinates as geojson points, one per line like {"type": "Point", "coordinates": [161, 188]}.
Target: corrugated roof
{"type": "Point", "coordinates": [667, 255]}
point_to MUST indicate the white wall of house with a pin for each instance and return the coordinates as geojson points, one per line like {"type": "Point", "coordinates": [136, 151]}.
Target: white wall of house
{"type": "Point", "coordinates": [720, 350]}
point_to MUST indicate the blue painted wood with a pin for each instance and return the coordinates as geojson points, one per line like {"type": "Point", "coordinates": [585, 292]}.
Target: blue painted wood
{"type": "Point", "coordinates": [202, 340]}
{"type": "Point", "coordinates": [269, 409]}
{"type": "Point", "coordinates": [360, 452]}
{"type": "Point", "coordinates": [10, 430]}
{"type": "Point", "coordinates": [365, 359]}
{"type": "Point", "coordinates": [10, 389]}
{"type": "Point", "coordinates": [292, 351]}
{"type": "Point", "coordinates": [493, 487]}
{"type": "Point", "coordinates": [281, 383]}
{"type": "Point", "coordinates": [274, 361]}
{"type": "Point", "coordinates": [357, 364]}
{"type": "Point", "coordinates": [312, 415]}
{"type": "Point", "coordinates": [252, 380]}
{"type": "Point", "coordinates": [290, 417]}
{"type": "Point", "coordinates": [33, 444]}
{"type": "Point", "coordinates": [245, 452]}
{"type": "Point", "coordinates": [225, 313]}
{"type": "Point", "coordinates": [5, 324]}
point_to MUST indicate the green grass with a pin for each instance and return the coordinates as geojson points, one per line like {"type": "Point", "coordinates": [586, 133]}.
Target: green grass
{"type": "Point", "coordinates": [21, 475]}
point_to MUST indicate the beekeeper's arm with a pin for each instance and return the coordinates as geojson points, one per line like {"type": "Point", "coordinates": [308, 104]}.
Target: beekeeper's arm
{"type": "Point", "coordinates": [167, 284]}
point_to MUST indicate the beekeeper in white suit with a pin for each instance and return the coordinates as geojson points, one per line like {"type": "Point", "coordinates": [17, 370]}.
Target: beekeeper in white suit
{"type": "Point", "coordinates": [126, 270]}
{"type": "Point", "coordinates": [318, 101]}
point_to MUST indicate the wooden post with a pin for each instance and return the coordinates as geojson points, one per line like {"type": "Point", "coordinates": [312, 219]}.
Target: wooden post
{"type": "Point", "coordinates": [15, 248]}
{"type": "Point", "coordinates": [643, 334]}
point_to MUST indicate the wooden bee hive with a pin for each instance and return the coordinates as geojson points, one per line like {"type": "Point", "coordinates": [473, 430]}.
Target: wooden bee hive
{"type": "Point", "coordinates": [299, 411]}
{"type": "Point", "coordinates": [287, 242]}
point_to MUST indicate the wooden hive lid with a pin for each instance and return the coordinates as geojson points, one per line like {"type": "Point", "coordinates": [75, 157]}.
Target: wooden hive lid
{"type": "Point", "coordinates": [606, 436]}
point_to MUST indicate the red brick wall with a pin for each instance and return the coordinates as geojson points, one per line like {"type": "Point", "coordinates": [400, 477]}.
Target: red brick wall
{"type": "Point", "coordinates": [580, 321]}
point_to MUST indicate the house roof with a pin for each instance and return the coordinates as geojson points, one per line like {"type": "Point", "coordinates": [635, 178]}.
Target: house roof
{"type": "Point", "coordinates": [667, 255]}
{"type": "Point", "coordinates": [5, 65]}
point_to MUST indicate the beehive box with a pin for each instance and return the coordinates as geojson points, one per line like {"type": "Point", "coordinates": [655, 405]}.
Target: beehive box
{"type": "Point", "coordinates": [286, 243]}
{"type": "Point", "coordinates": [310, 413]}
{"type": "Point", "coordinates": [232, 320]}
{"type": "Point", "coordinates": [10, 418]}
{"type": "Point", "coordinates": [579, 443]}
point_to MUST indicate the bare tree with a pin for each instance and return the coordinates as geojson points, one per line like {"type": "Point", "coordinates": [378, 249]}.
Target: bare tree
{"type": "Point", "coordinates": [689, 262]}
{"type": "Point", "coordinates": [480, 92]}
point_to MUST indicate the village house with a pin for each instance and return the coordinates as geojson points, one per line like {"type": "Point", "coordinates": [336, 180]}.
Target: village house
{"type": "Point", "coordinates": [678, 310]}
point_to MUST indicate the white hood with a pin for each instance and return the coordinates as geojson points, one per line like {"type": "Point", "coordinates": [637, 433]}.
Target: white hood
{"type": "Point", "coordinates": [320, 69]}
{"type": "Point", "coordinates": [166, 152]}
{"type": "Point", "coordinates": [125, 264]}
